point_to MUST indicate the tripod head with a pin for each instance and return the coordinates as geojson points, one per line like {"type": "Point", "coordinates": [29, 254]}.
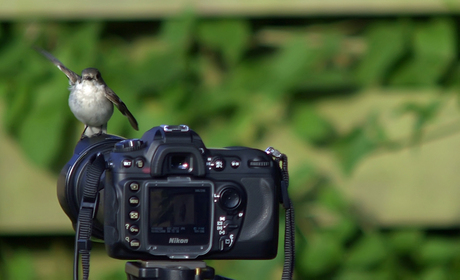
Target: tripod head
{"type": "Point", "coordinates": [171, 270]}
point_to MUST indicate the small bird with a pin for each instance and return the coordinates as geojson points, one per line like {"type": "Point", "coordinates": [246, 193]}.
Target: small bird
{"type": "Point", "coordinates": [90, 99]}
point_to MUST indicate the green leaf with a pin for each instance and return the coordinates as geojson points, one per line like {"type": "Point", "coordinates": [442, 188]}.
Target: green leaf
{"type": "Point", "coordinates": [352, 148]}
{"type": "Point", "coordinates": [424, 114]}
{"type": "Point", "coordinates": [248, 269]}
{"type": "Point", "coordinates": [332, 198]}
{"type": "Point", "coordinates": [118, 274]}
{"type": "Point", "coordinates": [369, 251]}
{"type": "Point", "coordinates": [310, 126]}
{"type": "Point", "coordinates": [19, 266]}
{"type": "Point", "coordinates": [41, 134]}
{"type": "Point", "coordinates": [437, 251]}
{"type": "Point", "coordinates": [177, 32]}
{"type": "Point", "coordinates": [435, 273]}
{"type": "Point", "coordinates": [406, 241]}
{"type": "Point", "coordinates": [360, 142]}
{"type": "Point", "coordinates": [323, 253]}
{"type": "Point", "coordinates": [18, 105]}
{"type": "Point", "coordinates": [288, 66]}
{"type": "Point", "coordinates": [227, 36]}
{"type": "Point", "coordinates": [387, 42]}
{"type": "Point", "coordinates": [350, 274]}
{"type": "Point", "coordinates": [434, 50]}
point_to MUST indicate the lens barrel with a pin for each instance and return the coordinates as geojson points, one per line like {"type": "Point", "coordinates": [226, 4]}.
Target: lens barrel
{"type": "Point", "coordinates": [71, 179]}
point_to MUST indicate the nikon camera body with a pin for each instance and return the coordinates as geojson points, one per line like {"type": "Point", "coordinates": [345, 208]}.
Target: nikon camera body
{"type": "Point", "coordinates": [166, 196]}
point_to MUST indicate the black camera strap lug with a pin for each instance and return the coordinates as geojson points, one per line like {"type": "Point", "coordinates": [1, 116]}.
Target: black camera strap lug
{"type": "Point", "coordinates": [289, 236]}
{"type": "Point", "coordinates": [279, 157]}
{"type": "Point", "coordinates": [88, 207]}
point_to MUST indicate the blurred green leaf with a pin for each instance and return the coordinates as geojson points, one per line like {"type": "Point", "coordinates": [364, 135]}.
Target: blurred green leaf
{"type": "Point", "coordinates": [288, 65]}
{"type": "Point", "coordinates": [435, 273]}
{"type": "Point", "coordinates": [323, 253]}
{"type": "Point", "coordinates": [177, 32]}
{"type": "Point", "coordinates": [46, 120]}
{"type": "Point", "coordinates": [361, 141]}
{"type": "Point", "coordinates": [331, 198]}
{"type": "Point", "coordinates": [439, 251]}
{"type": "Point", "coordinates": [310, 126]}
{"type": "Point", "coordinates": [405, 241]}
{"type": "Point", "coordinates": [115, 275]}
{"type": "Point", "coordinates": [434, 50]}
{"type": "Point", "coordinates": [18, 104]}
{"type": "Point", "coordinates": [349, 274]}
{"type": "Point", "coordinates": [228, 36]}
{"type": "Point", "coordinates": [387, 42]}
{"type": "Point", "coordinates": [248, 269]}
{"type": "Point", "coordinates": [424, 114]}
{"type": "Point", "coordinates": [369, 251]}
{"type": "Point", "coordinates": [18, 266]}
{"type": "Point", "coordinates": [353, 148]}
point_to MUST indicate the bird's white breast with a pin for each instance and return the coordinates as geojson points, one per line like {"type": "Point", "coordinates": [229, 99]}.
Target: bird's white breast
{"type": "Point", "coordinates": [88, 103]}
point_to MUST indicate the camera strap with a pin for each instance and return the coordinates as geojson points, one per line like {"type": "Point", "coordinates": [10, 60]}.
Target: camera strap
{"type": "Point", "coordinates": [88, 205]}
{"type": "Point", "coordinates": [289, 234]}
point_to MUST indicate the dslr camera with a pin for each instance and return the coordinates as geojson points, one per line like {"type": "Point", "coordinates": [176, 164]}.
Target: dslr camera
{"type": "Point", "coordinates": [167, 196]}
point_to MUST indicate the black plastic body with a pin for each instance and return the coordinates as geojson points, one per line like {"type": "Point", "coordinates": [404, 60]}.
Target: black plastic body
{"type": "Point", "coordinates": [243, 202]}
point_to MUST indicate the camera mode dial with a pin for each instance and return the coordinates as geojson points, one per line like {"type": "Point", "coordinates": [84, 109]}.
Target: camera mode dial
{"type": "Point", "coordinates": [129, 145]}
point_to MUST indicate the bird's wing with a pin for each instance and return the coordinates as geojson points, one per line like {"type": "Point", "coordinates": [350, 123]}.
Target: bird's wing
{"type": "Point", "coordinates": [73, 77]}
{"type": "Point", "coordinates": [112, 96]}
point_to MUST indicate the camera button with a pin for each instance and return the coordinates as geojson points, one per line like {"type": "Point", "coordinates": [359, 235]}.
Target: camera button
{"type": "Point", "coordinates": [135, 244]}
{"type": "Point", "coordinates": [134, 215]}
{"type": "Point", "coordinates": [217, 164]}
{"type": "Point", "coordinates": [235, 164]}
{"type": "Point", "coordinates": [134, 229]}
{"type": "Point", "coordinates": [134, 186]}
{"type": "Point", "coordinates": [127, 163]}
{"type": "Point", "coordinates": [134, 201]}
{"type": "Point", "coordinates": [139, 163]}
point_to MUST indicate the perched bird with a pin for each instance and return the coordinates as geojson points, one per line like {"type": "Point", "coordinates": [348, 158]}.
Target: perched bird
{"type": "Point", "coordinates": [90, 99]}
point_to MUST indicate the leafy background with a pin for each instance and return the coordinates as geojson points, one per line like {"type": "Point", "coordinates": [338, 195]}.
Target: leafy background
{"type": "Point", "coordinates": [250, 82]}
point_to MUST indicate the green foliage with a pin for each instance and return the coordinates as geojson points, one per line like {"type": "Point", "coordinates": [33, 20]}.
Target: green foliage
{"type": "Point", "coordinates": [433, 50]}
{"type": "Point", "coordinates": [387, 42]}
{"type": "Point", "coordinates": [19, 266]}
{"type": "Point", "coordinates": [227, 37]}
{"type": "Point", "coordinates": [236, 87]}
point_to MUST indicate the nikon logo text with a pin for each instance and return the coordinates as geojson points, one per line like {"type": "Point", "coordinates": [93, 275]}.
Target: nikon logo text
{"type": "Point", "coordinates": [176, 240]}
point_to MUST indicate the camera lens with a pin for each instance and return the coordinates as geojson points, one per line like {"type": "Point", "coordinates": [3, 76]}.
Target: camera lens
{"type": "Point", "coordinates": [230, 198]}
{"type": "Point", "coordinates": [73, 175]}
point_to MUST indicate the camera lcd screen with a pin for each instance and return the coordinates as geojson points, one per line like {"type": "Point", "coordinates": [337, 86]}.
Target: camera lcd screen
{"type": "Point", "coordinates": [179, 215]}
